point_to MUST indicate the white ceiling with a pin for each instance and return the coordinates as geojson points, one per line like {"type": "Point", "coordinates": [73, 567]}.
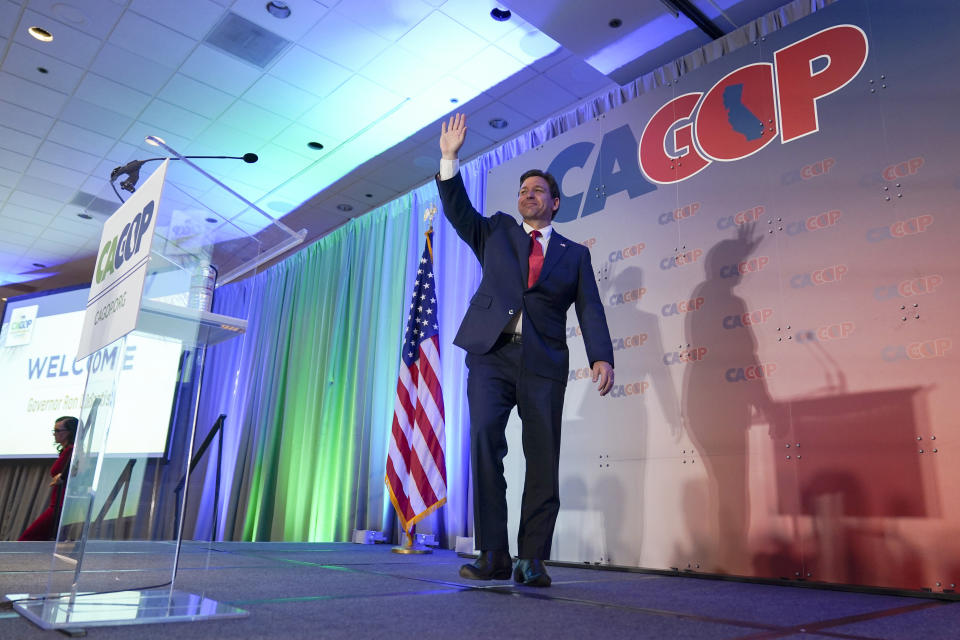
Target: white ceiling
{"type": "Point", "coordinates": [369, 79]}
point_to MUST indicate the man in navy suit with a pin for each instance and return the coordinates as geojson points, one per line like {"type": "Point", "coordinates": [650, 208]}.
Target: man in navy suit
{"type": "Point", "coordinates": [515, 336]}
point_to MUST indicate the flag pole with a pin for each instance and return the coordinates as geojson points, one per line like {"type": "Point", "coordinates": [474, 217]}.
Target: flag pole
{"type": "Point", "coordinates": [410, 546]}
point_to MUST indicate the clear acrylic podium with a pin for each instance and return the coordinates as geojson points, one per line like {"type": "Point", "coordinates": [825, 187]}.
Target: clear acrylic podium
{"type": "Point", "coordinates": [119, 544]}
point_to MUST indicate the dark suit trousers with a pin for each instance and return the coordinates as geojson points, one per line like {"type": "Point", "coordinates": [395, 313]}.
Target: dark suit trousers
{"type": "Point", "coordinates": [495, 384]}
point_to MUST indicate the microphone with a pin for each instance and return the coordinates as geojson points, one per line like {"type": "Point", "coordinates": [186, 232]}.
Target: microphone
{"type": "Point", "coordinates": [132, 168]}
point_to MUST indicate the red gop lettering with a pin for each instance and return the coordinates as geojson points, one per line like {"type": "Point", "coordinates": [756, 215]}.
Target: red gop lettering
{"type": "Point", "coordinates": [843, 47]}
{"type": "Point", "coordinates": [657, 162]}
{"type": "Point", "coordinates": [817, 169]}
{"type": "Point", "coordinates": [836, 331]}
{"type": "Point", "coordinates": [911, 226]}
{"type": "Point", "coordinates": [829, 274]}
{"type": "Point", "coordinates": [823, 220]}
{"type": "Point", "coordinates": [744, 96]}
{"type": "Point", "coordinates": [902, 169]}
{"type": "Point", "coordinates": [751, 106]}
{"type": "Point", "coordinates": [749, 215]}
{"type": "Point", "coordinates": [920, 286]}
{"type": "Point", "coordinates": [929, 348]}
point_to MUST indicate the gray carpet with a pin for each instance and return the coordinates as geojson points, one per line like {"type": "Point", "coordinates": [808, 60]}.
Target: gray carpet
{"type": "Point", "coordinates": [313, 590]}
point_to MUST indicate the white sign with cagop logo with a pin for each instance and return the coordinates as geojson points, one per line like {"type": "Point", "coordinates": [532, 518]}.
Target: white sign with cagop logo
{"type": "Point", "coordinates": [121, 267]}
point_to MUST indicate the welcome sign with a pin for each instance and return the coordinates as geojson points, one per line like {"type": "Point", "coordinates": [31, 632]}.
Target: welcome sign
{"type": "Point", "coordinates": [121, 268]}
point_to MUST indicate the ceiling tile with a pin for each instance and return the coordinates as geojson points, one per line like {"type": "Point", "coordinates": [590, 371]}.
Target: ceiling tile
{"type": "Point", "coordinates": [47, 206]}
{"type": "Point", "coordinates": [488, 67]}
{"type": "Point", "coordinates": [174, 119]}
{"type": "Point", "coordinates": [24, 119]}
{"type": "Point", "coordinates": [25, 62]}
{"type": "Point", "coordinates": [9, 15]}
{"type": "Point", "coordinates": [94, 17]}
{"type": "Point", "coordinates": [403, 72]}
{"type": "Point", "coordinates": [18, 239]}
{"type": "Point", "coordinates": [304, 14]}
{"type": "Point", "coordinates": [137, 134]}
{"type": "Point", "coordinates": [30, 94]}
{"type": "Point", "coordinates": [68, 44]}
{"type": "Point", "coordinates": [18, 141]}
{"type": "Point", "coordinates": [193, 18]}
{"type": "Point", "coordinates": [296, 136]}
{"type": "Point", "coordinates": [512, 82]}
{"type": "Point", "coordinates": [9, 178]}
{"type": "Point", "coordinates": [95, 118]}
{"type": "Point", "coordinates": [128, 68]}
{"type": "Point", "coordinates": [196, 96]}
{"type": "Point", "coordinates": [386, 18]}
{"type": "Point", "coordinates": [65, 237]}
{"type": "Point", "coordinates": [516, 122]}
{"type": "Point", "coordinates": [13, 161]}
{"type": "Point", "coordinates": [226, 139]}
{"type": "Point", "coordinates": [36, 186]}
{"type": "Point", "coordinates": [249, 117]}
{"type": "Point", "coordinates": [527, 44]}
{"type": "Point", "coordinates": [20, 226]}
{"type": "Point", "coordinates": [365, 190]}
{"type": "Point", "coordinates": [438, 32]}
{"type": "Point", "coordinates": [309, 72]}
{"type": "Point", "coordinates": [151, 40]}
{"type": "Point", "coordinates": [55, 173]}
{"type": "Point", "coordinates": [344, 41]}
{"type": "Point", "coordinates": [539, 98]}
{"type": "Point", "coordinates": [112, 95]}
{"type": "Point", "coordinates": [219, 70]}
{"type": "Point", "coordinates": [475, 15]}
{"type": "Point", "coordinates": [280, 97]}
{"type": "Point", "coordinates": [578, 77]}
{"type": "Point", "coordinates": [58, 154]}
{"type": "Point", "coordinates": [43, 250]}
{"type": "Point", "coordinates": [79, 138]}
{"type": "Point", "coordinates": [354, 105]}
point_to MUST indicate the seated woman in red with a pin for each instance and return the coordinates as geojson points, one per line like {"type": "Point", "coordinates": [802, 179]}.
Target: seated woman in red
{"type": "Point", "coordinates": [45, 526]}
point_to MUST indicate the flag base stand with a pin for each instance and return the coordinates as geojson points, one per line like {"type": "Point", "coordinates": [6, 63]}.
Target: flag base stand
{"type": "Point", "coordinates": [412, 549]}
{"type": "Point", "coordinates": [412, 546]}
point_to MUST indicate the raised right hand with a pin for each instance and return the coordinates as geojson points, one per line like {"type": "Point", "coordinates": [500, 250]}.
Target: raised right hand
{"type": "Point", "coordinates": [452, 136]}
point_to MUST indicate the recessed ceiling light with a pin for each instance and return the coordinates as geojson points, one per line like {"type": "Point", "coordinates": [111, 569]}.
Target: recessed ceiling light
{"type": "Point", "coordinates": [368, 195]}
{"type": "Point", "coordinates": [278, 9]}
{"type": "Point", "coordinates": [615, 23]}
{"type": "Point", "coordinates": [85, 216]}
{"type": "Point", "coordinates": [212, 220]}
{"type": "Point", "coordinates": [43, 70]}
{"type": "Point", "coordinates": [454, 100]}
{"type": "Point", "coordinates": [315, 146]}
{"type": "Point", "coordinates": [343, 206]}
{"type": "Point", "coordinates": [498, 123]}
{"type": "Point", "coordinates": [500, 15]}
{"type": "Point", "coordinates": [40, 34]}
{"type": "Point", "coordinates": [39, 266]}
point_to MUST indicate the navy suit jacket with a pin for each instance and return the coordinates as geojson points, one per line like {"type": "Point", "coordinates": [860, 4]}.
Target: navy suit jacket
{"type": "Point", "coordinates": [503, 249]}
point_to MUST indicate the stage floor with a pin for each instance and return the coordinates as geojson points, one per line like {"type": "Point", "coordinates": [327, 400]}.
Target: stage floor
{"type": "Point", "coordinates": [342, 590]}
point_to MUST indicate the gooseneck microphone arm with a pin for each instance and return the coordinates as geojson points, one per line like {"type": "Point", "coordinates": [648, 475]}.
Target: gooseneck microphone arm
{"type": "Point", "coordinates": [132, 169]}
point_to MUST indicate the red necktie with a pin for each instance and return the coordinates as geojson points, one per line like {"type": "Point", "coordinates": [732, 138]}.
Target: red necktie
{"type": "Point", "coordinates": [536, 258]}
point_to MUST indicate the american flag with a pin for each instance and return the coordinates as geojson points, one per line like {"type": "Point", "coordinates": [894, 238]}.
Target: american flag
{"type": "Point", "coordinates": [416, 470]}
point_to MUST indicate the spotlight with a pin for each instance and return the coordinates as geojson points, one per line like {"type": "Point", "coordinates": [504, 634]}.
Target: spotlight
{"type": "Point", "coordinates": [278, 9]}
{"type": "Point", "coordinates": [498, 123]}
{"type": "Point", "coordinates": [40, 34]}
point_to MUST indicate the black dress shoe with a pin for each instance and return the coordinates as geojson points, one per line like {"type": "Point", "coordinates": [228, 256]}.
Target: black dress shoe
{"type": "Point", "coordinates": [531, 573]}
{"type": "Point", "coordinates": [491, 565]}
